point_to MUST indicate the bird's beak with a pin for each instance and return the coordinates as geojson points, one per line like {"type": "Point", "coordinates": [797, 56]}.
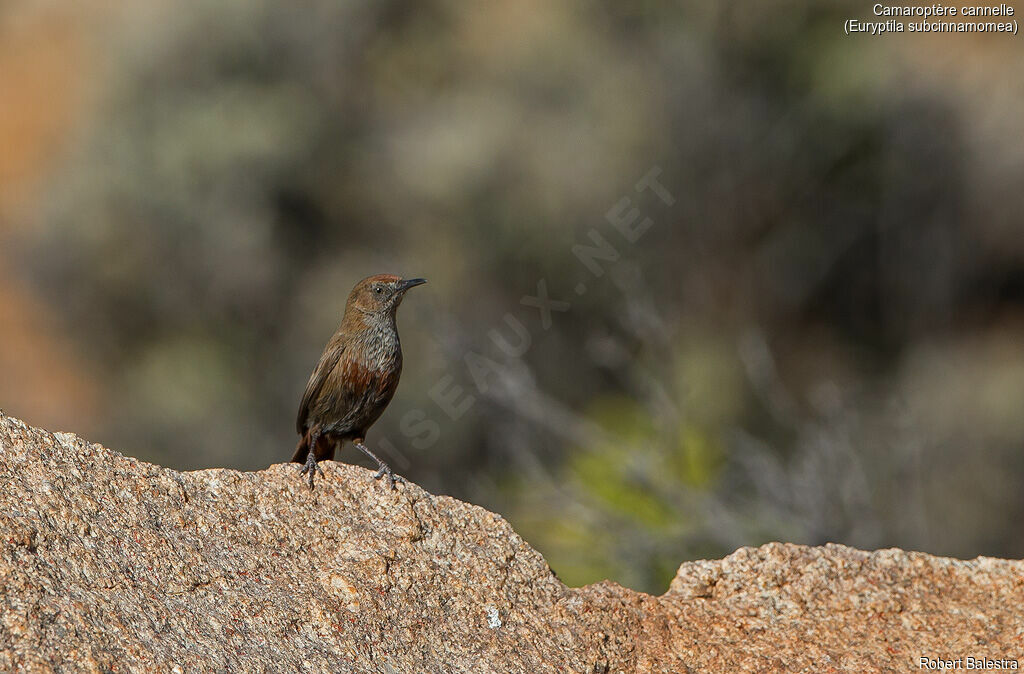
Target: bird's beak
{"type": "Point", "coordinates": [410, 283]}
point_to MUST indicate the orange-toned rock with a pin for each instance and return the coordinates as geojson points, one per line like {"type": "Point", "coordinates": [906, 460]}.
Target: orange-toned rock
{"type": "Point", "coordinates": [111, 564]}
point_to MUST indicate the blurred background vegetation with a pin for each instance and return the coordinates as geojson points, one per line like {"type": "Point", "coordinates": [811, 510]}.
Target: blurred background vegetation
{"type": "Point", "coordinates": [820, 340]}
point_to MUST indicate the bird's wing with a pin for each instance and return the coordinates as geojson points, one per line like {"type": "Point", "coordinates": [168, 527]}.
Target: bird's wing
{"type": "Point", "coordinates": [328, 361]}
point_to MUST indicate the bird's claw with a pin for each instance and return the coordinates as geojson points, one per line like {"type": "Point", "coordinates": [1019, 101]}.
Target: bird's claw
{"type": "Point", "coordinates": [312, 468]}
{"type": "Point", "coordinates": [392, 478]}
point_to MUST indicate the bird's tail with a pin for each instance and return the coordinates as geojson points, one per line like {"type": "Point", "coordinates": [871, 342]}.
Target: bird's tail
{"type": "Point", "coordinates": [302, 449]}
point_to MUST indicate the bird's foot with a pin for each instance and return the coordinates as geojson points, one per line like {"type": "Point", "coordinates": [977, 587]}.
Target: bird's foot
{"type": "Point", "coordinates": [385, 469]}
{"type": "Point", "coordinates": [392, 478]}
{"type": "Point", "coordinates": [312, 468]}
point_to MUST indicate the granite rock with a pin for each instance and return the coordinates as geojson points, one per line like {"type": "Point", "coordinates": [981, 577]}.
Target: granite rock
{"type": "Point", "coordinates": [109, 564]}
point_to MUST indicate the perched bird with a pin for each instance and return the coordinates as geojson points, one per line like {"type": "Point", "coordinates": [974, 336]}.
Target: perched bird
{"type": "Point", "coordinates": [356, 377]}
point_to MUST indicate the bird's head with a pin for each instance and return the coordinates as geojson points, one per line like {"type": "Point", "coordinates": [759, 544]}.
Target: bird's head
{"type": "Point", "coordinates": [380, 294]}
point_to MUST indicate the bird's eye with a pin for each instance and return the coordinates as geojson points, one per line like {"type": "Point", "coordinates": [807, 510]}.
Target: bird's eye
{"type": "Point", "coordinates": [379, 290]}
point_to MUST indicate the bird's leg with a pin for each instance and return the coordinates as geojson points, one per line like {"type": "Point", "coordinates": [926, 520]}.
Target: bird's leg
{"type": "Point", "coordinates": [384, 469]}
{"type": "Point", "coordinates": [311, 466]}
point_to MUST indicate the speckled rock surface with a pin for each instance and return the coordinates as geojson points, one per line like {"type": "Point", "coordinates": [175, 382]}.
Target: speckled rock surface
{"type": "Point", "coordinates": [111, 564]}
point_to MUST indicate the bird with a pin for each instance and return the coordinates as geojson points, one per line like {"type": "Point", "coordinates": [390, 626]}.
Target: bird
{"type": "Point", "coordinates": [356, 377]}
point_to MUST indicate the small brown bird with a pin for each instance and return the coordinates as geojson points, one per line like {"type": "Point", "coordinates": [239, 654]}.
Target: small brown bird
{"type": "Point", "coordinates": [356, 377]}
